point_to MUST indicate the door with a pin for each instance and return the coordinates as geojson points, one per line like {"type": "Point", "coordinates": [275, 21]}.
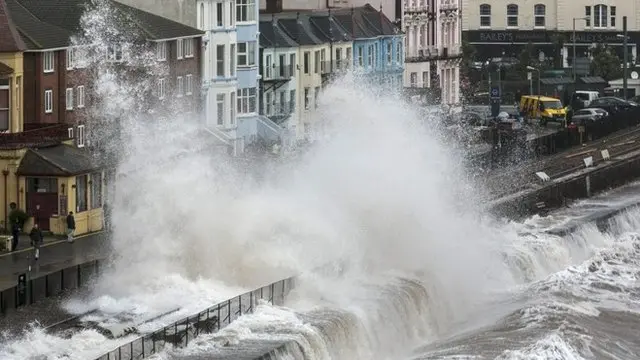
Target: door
{"type": "Point", "coordinates": [42, 199]}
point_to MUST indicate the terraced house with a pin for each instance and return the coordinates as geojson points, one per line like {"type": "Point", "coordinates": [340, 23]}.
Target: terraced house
{"type": "Point", "coordinates": [309, 48]}
{"type": "Point", "coordinates": [46, 98]}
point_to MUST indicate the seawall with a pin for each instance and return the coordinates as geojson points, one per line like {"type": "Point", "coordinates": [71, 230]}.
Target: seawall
{"type": "Point", "coordinates": [582, 183]}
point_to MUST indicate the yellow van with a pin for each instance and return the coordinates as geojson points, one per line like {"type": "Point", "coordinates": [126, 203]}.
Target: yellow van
{"type": "Point", "coordinates": [544, 108]}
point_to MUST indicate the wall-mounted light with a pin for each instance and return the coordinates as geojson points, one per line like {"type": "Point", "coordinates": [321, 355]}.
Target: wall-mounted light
{"type": "Point", "coordinates": [73, 186]}
{"type": "Point", "coordinates": [5, 172]}
{"type": "Point", "coordinates": [21, 190]}
{"type": "Point", "coordinates": [62, 188]}
{"type": "Point", "coordinates": [90, 182]}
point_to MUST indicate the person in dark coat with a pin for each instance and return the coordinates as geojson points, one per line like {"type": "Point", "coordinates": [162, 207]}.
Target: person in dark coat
{"type": "Point", "coordinates": [36, 239]}
{"type": "Point", "coordinates": [71, 226]}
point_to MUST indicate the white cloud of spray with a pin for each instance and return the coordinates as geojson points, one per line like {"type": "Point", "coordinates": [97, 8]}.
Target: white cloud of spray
{"type": "Point", "coordinates": [383, 193]}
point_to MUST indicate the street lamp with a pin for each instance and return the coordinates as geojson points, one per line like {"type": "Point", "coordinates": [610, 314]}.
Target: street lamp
{"type": "Point", "coordinates": [624, 56]}
{"type": "Point", "coordinates": [573, 68]}
{"type": "Point", "coordinates": [531, 68]}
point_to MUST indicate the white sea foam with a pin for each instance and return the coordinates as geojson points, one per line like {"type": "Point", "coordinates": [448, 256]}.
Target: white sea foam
{"type": "Point", "coordinates": [380, 197]}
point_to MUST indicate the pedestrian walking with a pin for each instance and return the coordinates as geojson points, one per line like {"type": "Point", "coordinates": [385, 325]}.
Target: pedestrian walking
{"type": "Point", "coordinates": [71, 226]}
{"type": "Point", "coordinates": [17, 219]}
{"type": "Point", "coordinates": [36, 239]}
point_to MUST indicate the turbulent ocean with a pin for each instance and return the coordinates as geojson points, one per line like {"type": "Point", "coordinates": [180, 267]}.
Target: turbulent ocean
{"type": "Point", "coordinates": [380, 219]}
{"type": "Point", "coordinates": [577, 297]}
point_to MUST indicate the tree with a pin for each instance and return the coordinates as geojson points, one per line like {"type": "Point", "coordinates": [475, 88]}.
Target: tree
{"type": "Point", "coordinates": [605, 63]}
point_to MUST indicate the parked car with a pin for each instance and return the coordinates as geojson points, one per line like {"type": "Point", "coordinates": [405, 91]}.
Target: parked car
{"type": "Point", "coordinates": [613, 105]}
{"type": "Point", "coordinates": [588, 116]}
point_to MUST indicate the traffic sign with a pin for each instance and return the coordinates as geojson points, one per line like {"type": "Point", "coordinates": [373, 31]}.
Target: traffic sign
{"type": "Point", "coordinates": [495, 92]}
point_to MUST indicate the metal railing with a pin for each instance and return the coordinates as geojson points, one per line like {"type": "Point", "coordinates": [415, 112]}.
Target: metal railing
{"type": "Point", "coordinates": [181, 332]}
{"type": "Point", "coordinates": [273, 72]}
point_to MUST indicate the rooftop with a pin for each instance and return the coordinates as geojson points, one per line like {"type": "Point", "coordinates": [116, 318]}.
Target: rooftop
{"type": "Point", "coordinates": [312, 27]}
{"type": "Point", "coordinates": [50, 24]}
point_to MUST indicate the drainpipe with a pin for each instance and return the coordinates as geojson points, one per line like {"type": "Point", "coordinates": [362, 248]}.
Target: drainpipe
{"type": "Point", "coordinates": [18, 191]}
{"type": "Point", "coordinates": [5, 173]}
{"type": "Point", "coordinates": [330, 43]}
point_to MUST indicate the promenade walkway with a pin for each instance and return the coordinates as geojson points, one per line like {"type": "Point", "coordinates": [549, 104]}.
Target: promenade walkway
{"type": "Point", "coordinates": [55, 254]}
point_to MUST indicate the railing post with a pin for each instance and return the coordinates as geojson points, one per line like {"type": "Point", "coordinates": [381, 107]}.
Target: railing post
{"type": "Point", "coordinates": [240, 305]}
{"type": "Point", "coordinates": [218, 322]}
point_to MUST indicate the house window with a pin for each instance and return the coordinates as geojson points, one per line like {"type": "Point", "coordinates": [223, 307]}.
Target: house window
{"type": "Point", "coordinates": [48, 61]}
{"type": "Point", "coordinates": [600, 16]}
{"type": "Point", "coordinates": [267, 101]}
{"type": "Point", "coordinates": [512, 15]}
{"type": "Point", "coordinates": [338, 58]}
{"type": "Point", "coordinates": [389, 53]}
{"type": "Point", "coordinates": [96, 190]}
{"type": "Point", "coordinates": [292, 100]}
{"type": "Point", "coordinates": [267, 67]}
{"type": "Point", "coordinates": [316, 62]}
{"type": "Point", "coordinates": [245, 10]}
{"type": "Point", "coordinates": [306, 98]}
{"type": "Point", "coordinates": [232, 108]}
{"type": "Point", "coordinates": [81, 136]}
{"type": "Point", "coordinates": [246, 100]}
{"type": "Point", "coordinates": [348, 57]}
{"type": "Point", "coordinates": [188, 86]}
{"type": "Point", "coordinates": [220, 60]}
{"type": "Point", "coordinates": [81, 193]}
{"type": "Point", "coordinates": [283, 102]}
{"type": "Point", "coordinates": [220, 108]}
{"type": "Point", "coordinates": [161, 88]}
{"type": "Point", "coordinates": [399, 59]}
{"type": "Point", "coordinates": [307, 61]}
{"type": "Point", "coordinates": [188, 48]}
{"type": "Point", "coordinates": [413, 79]}
{"type": "Point", "coordinates": [425, 79]}
{"type": "Point", "coordinates": [48, 101]}
{"type": "Point", "coordinates": [247, 53]}
{"type": "Point", "coordinates": [316, 96]}
{"type": "Point", "coordinates": [587, 16]}
{"type": "Point", "coordinates": [232, 16]}
{"type": "Point", "coordinates": [360, 56]}
{"type": "Point", "coordinates": [114, 52]}
{"type": "Point", "coordinates": [323, 66]}
{"type": "Point", "coordinates": [71, 63]}
{"type": "Point", "coordinates": [180, 86]}
{"type": "Point", "coordinates": [485, 15]}
{"type": "Point", "coordinates": [292, 64]}
{"type": "Point", "coordinates": [232, 60]}
{"type": "Point", "coordinates": [80, 95]}
{"type": "Point", "coordinates": [282, 66]}
{"type": "Point", "coordinates": [179, 49]}
{"type": "Point", "coordinates": [219, 15]}
{"type": "Point", "coordinates": [612, 10]}
{"type": "Point", "coordinates": [18, 92]}
{"type": "Point", "coordinates": [370, 56]}
{"type": "Point", "coordinates": [540, 12]}
{"type": "Point", "coordinates": [201, 16]}
{"type": "Point", "coordinates": [69, 98]}
{"type": "Point", "coordinates": [4, 105]}
{"type": "Point", "coordinates": [161, 51]}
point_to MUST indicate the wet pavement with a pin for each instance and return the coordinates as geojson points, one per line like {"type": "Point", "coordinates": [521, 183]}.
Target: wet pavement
{"type": "Point", "coordinates": [55, 255]}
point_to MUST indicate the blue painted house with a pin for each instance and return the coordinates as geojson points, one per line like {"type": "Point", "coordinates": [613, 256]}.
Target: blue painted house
{"type": "Point", "coordinates": [377, 44]}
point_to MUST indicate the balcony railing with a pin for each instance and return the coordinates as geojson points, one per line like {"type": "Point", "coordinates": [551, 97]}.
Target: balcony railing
{"type": "Point", "coordinates": [278, 73]}
{"type": "Point", "coordinates": [46, 135]}
{"type": "Point", "coordinates": [435, 53]}
{"type": "Point", "coordinates": [333, 66]}
{"type": "Point", "coordinates": [416, 9]}
{"type": "Point", "coordinates": [279, 109]}
{"type": "Point", "coordinates": [448, 5]}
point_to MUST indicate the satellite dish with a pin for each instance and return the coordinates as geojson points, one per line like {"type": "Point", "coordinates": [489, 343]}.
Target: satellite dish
{"type": "Point", "coordinates": [634, 75]}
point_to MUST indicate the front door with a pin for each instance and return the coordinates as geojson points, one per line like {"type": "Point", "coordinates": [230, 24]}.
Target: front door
{"type": "Point", "coordinates": [42, 199]}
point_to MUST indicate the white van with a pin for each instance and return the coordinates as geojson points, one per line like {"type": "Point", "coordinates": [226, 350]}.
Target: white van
{"type": "Point", "coordinates": [587, 96]}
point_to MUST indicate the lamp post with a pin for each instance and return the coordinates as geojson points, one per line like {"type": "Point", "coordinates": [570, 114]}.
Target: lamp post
{"type": "Point", "coordinates": [573, 67]}
{"type": "Point", "coordinates": [531, 68]}
{"type": "Point", "coordinates": [625, 55]}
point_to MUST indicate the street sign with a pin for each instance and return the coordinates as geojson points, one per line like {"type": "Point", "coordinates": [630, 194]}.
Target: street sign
{"type": "Point", "coordinates": [495, 92]}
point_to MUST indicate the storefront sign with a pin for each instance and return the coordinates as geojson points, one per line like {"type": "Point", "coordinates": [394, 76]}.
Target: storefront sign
{"type": "Point", "coordinates": [523, 37]}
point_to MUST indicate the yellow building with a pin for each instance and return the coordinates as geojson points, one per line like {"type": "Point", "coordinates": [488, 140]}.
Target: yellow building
{"type": "Point", "coordinates": [40, 170]}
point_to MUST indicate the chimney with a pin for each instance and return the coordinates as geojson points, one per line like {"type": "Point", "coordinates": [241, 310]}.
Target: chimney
{"type": "Point", "coordinates": [274, 6]}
